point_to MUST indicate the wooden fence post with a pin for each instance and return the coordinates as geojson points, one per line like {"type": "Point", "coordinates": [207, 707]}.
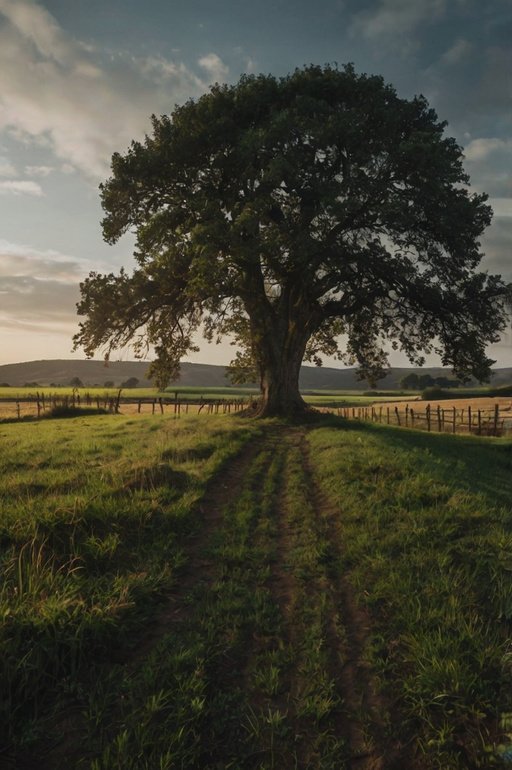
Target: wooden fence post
{"type": "Point", "coordinates": [470, 420]}
{"type": "Point", "coordinates": [496, 418]}
{"type": "Point", "coordinates": [407, 415]}
{"type": "Point", "coordinates": [397, 415]}
{"type": "Point", "coordinates": [438, 419]}
{"type": "Point", "coordinates": [427, 415]}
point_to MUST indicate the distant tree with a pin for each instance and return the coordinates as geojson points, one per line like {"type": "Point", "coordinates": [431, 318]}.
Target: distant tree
{"type": "Point", "coordinates": [76, 382]}
{"type": "Point", "coordinates": [410, 382]}
{"type": "Point", "coordinates": [425, 381]}
{"type": "Point", "coordinates": [287, 212]}
{"type": "Point", "coordinates": [4, 385]}
{"type": "Point", "coordinates": [108, 384]}
{"type": "Point", "coordinates": [31, 385]}
{"type": "Point", "coordinates": [446, 382]}
{"type": "Point", "coordinates": [131, 382]}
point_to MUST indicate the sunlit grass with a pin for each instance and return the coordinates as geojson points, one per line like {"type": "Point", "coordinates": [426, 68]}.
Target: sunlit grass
{"type": "Point", "coordinates": [426, 527]}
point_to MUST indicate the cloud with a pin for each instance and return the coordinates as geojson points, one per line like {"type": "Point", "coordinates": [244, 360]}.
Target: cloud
{"type": "Point", "coordinates": [39, 288]}
{"type": "Point", "coordinates": [83, 103]}
{"type": "Point", "coordinates": [18, 259]}
{"type": "Point", "coordinates": [502, 207]}
{"type": "Point", "coordinates": [488, 161]}
{"type": "Point", "coordinates": [251, 65]}
{"type": "Point", "coordinates": [214, 66]}
{"type": "Point", "coordinates": [395, 20]}
{"type": "Point", "coordinates": [457, 52]}
{"type": "Point", "coordinates": [23, 298]}
{"type": "Point", "coordinates": [37, 26]}
{"type": "Point", "coordinates": [38, 170]}
{"type": "Point", "coordinates": [6, 168]}
{"type": "Point", "coordinates": [497, 246]}
{"type": "Point", "coordinates": [20, 187]}
{"type": "Point", "coordinates": [480, 149]}
{"type": "Point", "coordinates": [471, 91]}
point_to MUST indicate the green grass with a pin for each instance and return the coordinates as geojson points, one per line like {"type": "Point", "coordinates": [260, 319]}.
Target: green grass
{"type": "Point", "coordinates": [325, 398]}
{"type": "Point", "coordinates": [426, 526]}
{"type": "Point", "coordinates": [95, 515]}
{"type": "Point", "coordinates": [148, 641]}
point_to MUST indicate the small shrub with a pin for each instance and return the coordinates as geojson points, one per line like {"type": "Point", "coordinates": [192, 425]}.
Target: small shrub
{"type": "Point", "coordinates": [435, 393]}
{"type": "Point", "coordinates": [73, 411]}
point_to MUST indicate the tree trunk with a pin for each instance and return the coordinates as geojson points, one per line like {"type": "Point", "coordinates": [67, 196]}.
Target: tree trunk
{"type": "Point", "coordinates": [279, 355]}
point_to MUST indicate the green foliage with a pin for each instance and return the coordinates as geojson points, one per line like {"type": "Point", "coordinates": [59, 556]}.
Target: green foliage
{"type": "Point", "coordinates": [438, 393]}
{"type": "Point", "coordinates": [410, 381]}
{"type": "Point", "coordinates": [435, 393]}
{"type": "Point", "coordinates": [131, 382]}
{"type": "Point", "coordinates": [66, 410]}
{"type": "Point", "coordinates": [261, 213]}
{"type": "Point", "coordinates": [415, 381]}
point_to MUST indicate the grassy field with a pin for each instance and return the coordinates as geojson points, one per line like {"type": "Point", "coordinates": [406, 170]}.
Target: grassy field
{"type": "Point", "coordinates": [185, 393]}
{"type": "Point", "coordinates": [16, 403]}
{"type": "Point", "coordinates": [222, 593]}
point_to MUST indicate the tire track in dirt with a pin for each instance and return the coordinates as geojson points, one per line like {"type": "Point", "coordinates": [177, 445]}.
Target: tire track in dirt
{"type": "Point", "coordinates": [370, 747]}
{"type": "Point", "coordinates": [220, 490]}
{"type": "Point", "coordinates": [294, 596]}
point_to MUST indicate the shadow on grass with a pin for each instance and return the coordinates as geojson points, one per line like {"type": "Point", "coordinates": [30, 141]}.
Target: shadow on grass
{"type": "Point", "coordinates": [481, 465]}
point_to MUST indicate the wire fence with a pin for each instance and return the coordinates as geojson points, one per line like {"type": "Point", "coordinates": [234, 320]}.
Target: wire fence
{"type": "Point", "coordinates": [469, 420]}
{"type": "Point", "coordinates": [40, 405]}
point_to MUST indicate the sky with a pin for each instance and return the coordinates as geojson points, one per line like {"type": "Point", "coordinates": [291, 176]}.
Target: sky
{"type": "Point", "coordinates": [79, 80]}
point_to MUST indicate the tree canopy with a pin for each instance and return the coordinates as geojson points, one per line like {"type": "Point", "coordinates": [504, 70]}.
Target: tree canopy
{"type": "Point", "coordinates": [291, 214]}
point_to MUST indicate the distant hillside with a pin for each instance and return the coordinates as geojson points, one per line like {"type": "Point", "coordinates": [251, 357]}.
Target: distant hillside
{"type": "Point", "coordinates": [60, 372]}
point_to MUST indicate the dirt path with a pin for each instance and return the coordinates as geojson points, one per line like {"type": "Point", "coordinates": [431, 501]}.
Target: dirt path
{"type": "Point", "coordinates": [365, 713]}
{"type": "Point", "coordinates": [367, 709]}
{"type": "Point", "coordinates": [199, 568]}
{"type": "Point", "coordinates": [360, 719]}
{"type": "Point", "coordinates": [302, 517]}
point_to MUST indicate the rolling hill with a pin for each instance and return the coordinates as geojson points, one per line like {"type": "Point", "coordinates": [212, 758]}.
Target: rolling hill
{"type": "Point", "coordinates": [93, 372]}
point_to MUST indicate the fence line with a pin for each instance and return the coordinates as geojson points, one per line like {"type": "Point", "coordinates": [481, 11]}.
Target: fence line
{"type": "Point", "coordinates": [439, 419]}
{"type": "Point", "coordinates": [39, 404]}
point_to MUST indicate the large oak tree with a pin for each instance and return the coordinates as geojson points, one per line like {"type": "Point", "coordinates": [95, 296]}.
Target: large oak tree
{"type": "Point", "coordinates": [292, 213]}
